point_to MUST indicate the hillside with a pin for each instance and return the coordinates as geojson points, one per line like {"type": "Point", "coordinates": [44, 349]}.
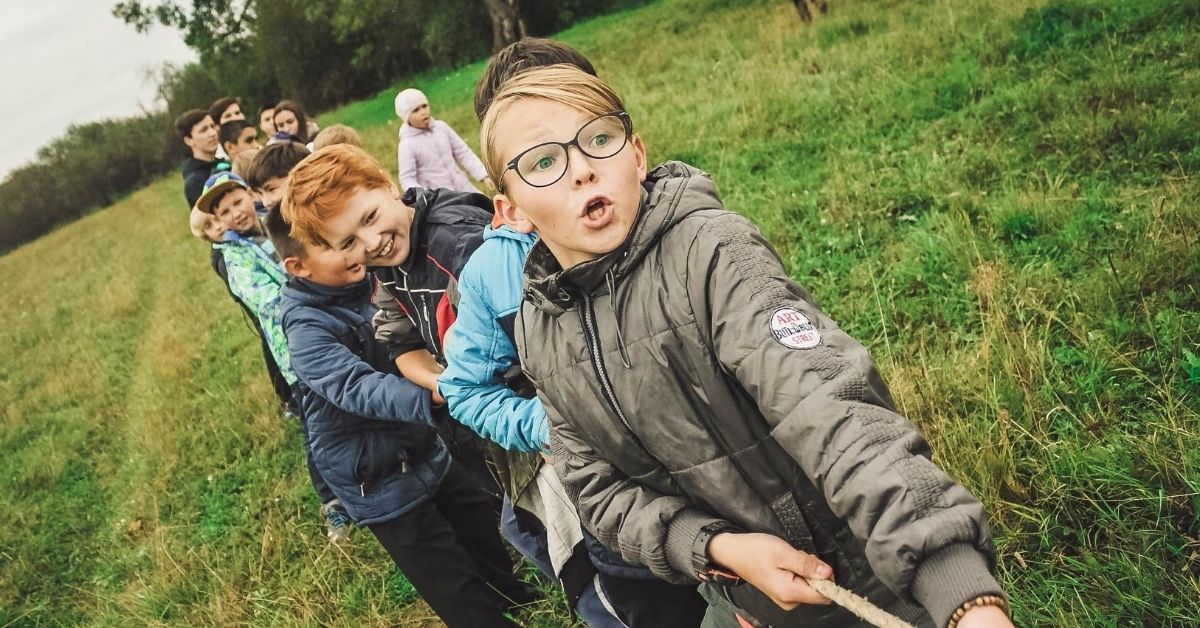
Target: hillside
{"type": "Point", "coordinates": [1000, 199]}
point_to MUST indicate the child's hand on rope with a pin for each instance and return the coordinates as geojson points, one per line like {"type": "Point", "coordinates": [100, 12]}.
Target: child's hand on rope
{"type": "Point", "coordinates": [772, 566]}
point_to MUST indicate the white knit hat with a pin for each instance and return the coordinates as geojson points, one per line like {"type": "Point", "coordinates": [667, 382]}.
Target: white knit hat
{"type": "Point", "coordinates": [407, 101]}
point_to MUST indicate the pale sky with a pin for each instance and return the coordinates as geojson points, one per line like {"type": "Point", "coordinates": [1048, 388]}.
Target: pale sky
{"type": "Point", "coordinates": [71, 61]}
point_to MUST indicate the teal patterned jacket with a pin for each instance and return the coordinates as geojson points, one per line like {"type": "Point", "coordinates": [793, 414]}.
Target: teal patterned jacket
{"type": "Point", "coordinates": [256, 277]}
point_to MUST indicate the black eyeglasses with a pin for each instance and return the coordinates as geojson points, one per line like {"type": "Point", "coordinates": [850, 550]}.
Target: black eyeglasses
{"type": "Point", "coordinates": [544, 164]}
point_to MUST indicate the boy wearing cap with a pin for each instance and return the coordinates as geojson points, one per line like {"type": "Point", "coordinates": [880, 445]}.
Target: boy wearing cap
{"type": "Point", "coordinates": [430, 153]}
{"type": "Point", "coordinates": [255, 279]}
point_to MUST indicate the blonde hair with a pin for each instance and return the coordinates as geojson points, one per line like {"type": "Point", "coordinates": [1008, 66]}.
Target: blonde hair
{"type": "Point", "coordinates": [336, 134]}
{"type": "Point", "coordinates": [319, 186]}
{"type": "Point", "coordinates": [242, 162]}
{"type": "Point", "coordinates": [198, 220]}
{"type": "Point", "coordinates": [561, 83]}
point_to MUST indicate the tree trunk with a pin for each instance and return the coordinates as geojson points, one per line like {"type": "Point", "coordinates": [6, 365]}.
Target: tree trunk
{"type": "Point", "coordinates": [507, 24]}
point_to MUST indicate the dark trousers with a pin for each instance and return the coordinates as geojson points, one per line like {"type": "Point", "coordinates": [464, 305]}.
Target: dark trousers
{"type": "Point", "coordinates": [449, 548]}
{"type": "Point", "coordinates": [654, 603]}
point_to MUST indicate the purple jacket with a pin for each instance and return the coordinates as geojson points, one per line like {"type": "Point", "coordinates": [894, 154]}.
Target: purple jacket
{"type": "Point", "coordinates": [430, 158]}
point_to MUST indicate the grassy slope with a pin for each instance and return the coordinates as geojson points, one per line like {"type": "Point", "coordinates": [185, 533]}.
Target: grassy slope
{"type": "Point", "coordinates": [999, 198]}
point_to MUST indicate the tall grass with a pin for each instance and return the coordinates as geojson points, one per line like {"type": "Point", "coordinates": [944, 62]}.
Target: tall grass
{"type": "Point", "coordinates": [998, 198]}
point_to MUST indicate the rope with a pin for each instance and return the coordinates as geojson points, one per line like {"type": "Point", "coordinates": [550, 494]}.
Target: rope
{"type": "Point", "coordinates": [858, 605]}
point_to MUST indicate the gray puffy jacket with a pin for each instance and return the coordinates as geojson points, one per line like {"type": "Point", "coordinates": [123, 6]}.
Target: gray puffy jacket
{"type": "Point", "coordinates": [689, 381]}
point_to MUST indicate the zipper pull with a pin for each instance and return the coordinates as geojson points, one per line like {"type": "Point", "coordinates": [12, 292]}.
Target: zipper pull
{"type": "Point", "coordinates": [404, 468]}
{"type": "Point", "coordinates": [361, 491]}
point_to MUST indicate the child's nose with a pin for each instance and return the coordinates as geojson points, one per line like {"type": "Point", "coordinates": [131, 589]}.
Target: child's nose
{"type": "Point", "coordinates": [580, 167]}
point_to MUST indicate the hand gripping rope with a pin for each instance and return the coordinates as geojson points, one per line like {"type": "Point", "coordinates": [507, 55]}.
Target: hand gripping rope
{"type": "Point", "coordinates": [858, 605]}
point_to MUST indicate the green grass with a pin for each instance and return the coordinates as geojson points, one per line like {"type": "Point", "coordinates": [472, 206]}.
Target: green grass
{"type": "Point", "coordinates": [999, 198]}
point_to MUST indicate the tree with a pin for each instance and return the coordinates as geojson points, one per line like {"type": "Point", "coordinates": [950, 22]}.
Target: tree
{"type": "Point", "coordinates": [508, 25]}
{"type": "Point", "coordinates": [211, 27]}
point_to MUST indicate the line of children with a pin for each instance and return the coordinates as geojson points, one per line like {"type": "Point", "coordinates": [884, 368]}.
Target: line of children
{"type": "Point", "coordinates": [201, 135]}
{"type": "Point", "coordinates": [426, 509]}
{"type": "Point", "coordinates": [254, 279]}
{"type": "Point", "coordinates": [708, 419]}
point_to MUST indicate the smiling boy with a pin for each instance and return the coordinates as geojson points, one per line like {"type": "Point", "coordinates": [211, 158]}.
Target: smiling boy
{"type": "Point", "coordinates": [415, 245]}
{"type": "Point", "coordinates": [448, 544]}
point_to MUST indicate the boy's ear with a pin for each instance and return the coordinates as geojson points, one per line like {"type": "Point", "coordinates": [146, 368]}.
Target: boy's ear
{"type": "Point", "coordinates": [512, 215]}
{"type": "Point", "coordinates": [639, 155]}
{"type": "Point", "coordinates": [295, 267]}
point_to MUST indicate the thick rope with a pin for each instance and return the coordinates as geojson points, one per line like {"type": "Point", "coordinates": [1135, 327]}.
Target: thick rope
{"type": "Point", "coordinates": [858, 605]}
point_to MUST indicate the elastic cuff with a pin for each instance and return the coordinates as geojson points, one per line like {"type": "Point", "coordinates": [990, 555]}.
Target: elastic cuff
{"type": "Point", "coordinates": [951, 577]}
{"type": "Point", "coordinates": [681, 538]}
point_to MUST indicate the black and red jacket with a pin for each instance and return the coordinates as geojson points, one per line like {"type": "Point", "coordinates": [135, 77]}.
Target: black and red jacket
{"type": "Point", "coordinates": [417, 299]}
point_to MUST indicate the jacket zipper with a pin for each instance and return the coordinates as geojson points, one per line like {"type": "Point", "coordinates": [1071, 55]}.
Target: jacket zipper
{"type": "Point", "coordinates": [592, 339]}
{"type": "Point", "coordinates": [422, 314]}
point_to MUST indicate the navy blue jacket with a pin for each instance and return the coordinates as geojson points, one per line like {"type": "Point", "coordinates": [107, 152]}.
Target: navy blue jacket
{"type": "Point", "coordinates": [370, 431]}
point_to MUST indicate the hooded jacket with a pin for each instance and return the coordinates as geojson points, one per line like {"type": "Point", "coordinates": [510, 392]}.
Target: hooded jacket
{"type": "Point", "coordinates": [370, 432]}
{"type": "Point", "coordinates": [430, 158]}
{"type": "Point", "coordinates": [255, 278]}
{"type": "Point", "coordinates": [689, 381]}
{"type": "Point", "coordinates": [479, 348]}
{"type": "Point", "coordinates": [417, 299]}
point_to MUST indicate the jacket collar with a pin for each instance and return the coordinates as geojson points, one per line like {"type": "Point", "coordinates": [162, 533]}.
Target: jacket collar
{"type": "Point", "coordinates": [407, 130]}
{"type": "Point", "coordinates": [671, 192]}
{"type": "Point", "coordinates": [350, 296]}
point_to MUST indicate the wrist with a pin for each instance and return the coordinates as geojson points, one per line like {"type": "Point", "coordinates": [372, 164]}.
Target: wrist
{"type": "Point", "coordinates": [985, 610]}
{"type": "Point", "coordinates": [711, 551]}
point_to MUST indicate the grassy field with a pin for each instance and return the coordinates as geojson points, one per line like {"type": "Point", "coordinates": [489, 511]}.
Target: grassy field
{"type": "Point", "coordinates": [1000, 198]}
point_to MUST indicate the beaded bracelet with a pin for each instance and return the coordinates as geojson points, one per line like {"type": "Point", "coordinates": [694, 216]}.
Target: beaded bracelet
{"type": "Point", "coordinates": [983, 600]}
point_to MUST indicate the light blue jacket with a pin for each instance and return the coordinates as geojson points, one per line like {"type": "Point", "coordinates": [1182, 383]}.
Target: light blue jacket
{"type": "Point", "coordinates": [479, 347]}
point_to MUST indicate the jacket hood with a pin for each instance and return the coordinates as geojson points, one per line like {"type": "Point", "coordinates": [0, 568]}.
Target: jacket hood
{"type": "Point", "coordinates": [506, 233]}
{"type": "Point", "coordinates": [671, 192]}
{"type": "Point", "coordinates": [305, 292]}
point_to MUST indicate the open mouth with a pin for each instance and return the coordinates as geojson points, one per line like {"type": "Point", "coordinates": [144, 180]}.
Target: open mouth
{"type": "Point", "coordinates": [594, 207]}
{"type": "Point", "coordinates": [597, 213]}
{"type": "Point", "coordinates": [386, 250]}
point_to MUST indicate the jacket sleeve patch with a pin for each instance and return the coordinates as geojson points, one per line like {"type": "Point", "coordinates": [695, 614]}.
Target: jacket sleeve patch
{"type": "Point", "coordinates": [793, 330]}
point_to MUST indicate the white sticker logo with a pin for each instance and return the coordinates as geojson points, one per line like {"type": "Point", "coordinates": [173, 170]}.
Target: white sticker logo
{"type": "Point", "coordinates": [792, 329]}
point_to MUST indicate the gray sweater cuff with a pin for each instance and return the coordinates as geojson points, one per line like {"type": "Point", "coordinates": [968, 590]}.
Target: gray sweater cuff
{"type": "Point", "coordinates": [681, 540]}
{"type": "Point", "coordinates": [954, 575]}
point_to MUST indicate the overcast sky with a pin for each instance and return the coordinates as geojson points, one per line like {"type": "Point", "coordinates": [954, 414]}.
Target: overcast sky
{"type": "Point", "coordinates": [65, 61]}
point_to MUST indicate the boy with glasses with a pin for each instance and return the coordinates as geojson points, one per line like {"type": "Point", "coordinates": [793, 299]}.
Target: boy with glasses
{"type": "Point", "coordinates": [484, 390]}
{"type": "Point", "coordinates": [708, 420]}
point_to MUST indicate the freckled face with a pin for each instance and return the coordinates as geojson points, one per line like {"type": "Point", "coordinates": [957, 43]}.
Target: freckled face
{"type": "Point", "coordinates": [373, 228]}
